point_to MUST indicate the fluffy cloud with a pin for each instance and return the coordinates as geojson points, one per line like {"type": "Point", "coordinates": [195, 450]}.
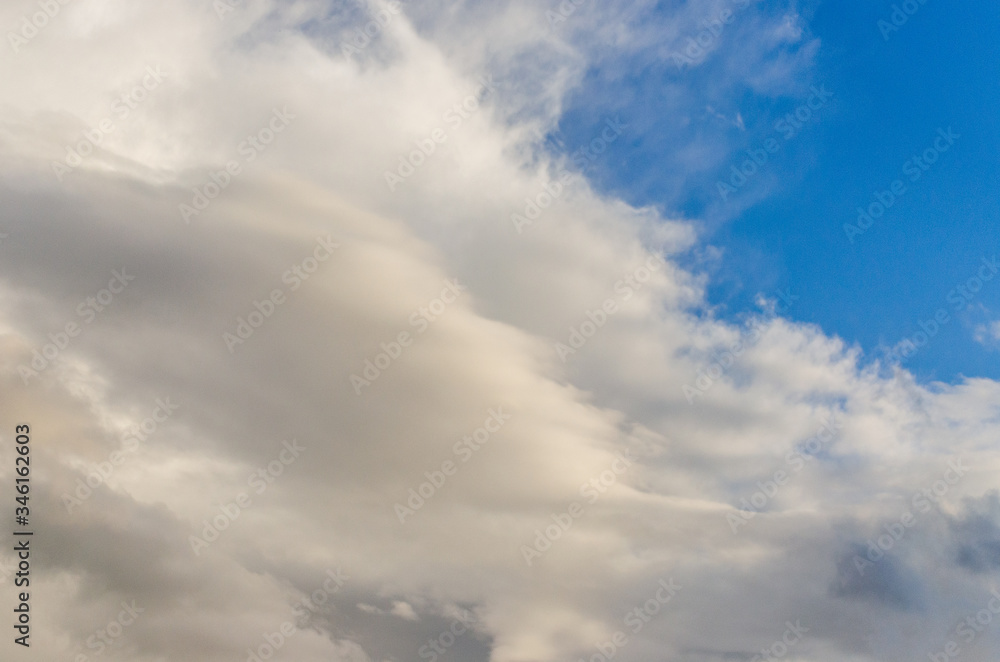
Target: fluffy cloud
{"type": "Point", "coordinates": [398, 352]}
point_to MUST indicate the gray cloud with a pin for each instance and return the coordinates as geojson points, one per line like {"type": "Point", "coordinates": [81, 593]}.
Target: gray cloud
{"type": "Point", "coordinates": [275, 538]}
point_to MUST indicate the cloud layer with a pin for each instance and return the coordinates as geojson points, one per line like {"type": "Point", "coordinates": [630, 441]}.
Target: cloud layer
{"type": "Point", "coordinates": [397, 418]}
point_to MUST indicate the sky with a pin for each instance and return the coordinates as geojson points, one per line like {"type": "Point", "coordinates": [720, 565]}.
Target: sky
{"type": "Point", "coordinates": [500, 331]}
{"type": "Point", "coordinates": [893, 87]}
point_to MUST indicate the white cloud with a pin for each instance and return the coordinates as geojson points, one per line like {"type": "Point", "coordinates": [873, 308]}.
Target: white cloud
{"type": "Point", "coordinates": [988, 334]}
{"type": "Point", "coordinates": [494, 346]}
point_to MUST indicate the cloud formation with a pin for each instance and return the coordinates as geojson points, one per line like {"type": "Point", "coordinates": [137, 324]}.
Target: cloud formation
{"type": "Point", "coordinates": [267, 498]}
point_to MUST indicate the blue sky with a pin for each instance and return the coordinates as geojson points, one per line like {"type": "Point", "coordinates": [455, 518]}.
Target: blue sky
{"type": "Point", "coordinates": [784, 228]}
{"type": "Point", "coordinates": [476, 341]}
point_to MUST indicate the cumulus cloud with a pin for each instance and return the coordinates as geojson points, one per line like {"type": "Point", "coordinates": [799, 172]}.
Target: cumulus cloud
{"type": "Point", "coordinates": [406, 424]}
